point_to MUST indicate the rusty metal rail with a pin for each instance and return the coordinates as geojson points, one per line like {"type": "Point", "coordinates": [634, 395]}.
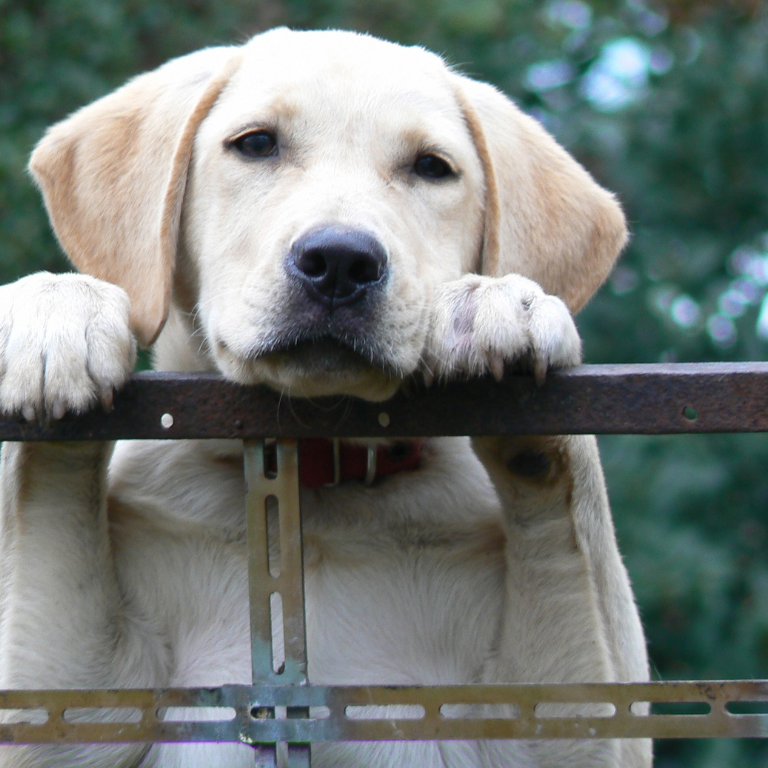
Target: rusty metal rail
{"type": "Point", "coordinates": [280, 710]}
{"type": "Point", "coordinates": [590, 399]}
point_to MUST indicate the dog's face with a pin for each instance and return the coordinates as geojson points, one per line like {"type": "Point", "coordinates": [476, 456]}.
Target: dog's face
{"type": "Point", "coordinates": [320, 212]}
{"type": "Point", "coordinates": [298, 203]}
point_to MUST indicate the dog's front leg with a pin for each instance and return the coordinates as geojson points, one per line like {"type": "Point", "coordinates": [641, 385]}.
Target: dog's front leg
{"type": "Point", "coordinates": [569, 614]}
{"type": "Point", "coordinates": [64, 344]}
{"type": "Point", "coordinates": [65, 619]}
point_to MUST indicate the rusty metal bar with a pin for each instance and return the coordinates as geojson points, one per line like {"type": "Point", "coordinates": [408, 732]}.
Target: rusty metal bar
{"type": "Point", "coordinates": [276, 581]}
{"type": "Point", "coordinates": [275, 566]}
{"type": "Point", "coordinates": [601, 399]}
{"type": "Point", "coordinates": [707, 709]}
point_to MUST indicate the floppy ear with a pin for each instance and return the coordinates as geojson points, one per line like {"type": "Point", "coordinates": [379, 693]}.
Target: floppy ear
{"type": "Point", "coordinates": [113, 176]}
{"type": "Point", "coordinates": [546, 217]}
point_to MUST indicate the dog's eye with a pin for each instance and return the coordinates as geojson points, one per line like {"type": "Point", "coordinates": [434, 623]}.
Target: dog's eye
{"type": "Point", "coordinates": [256, 144]}
{"type": "Point", "coordinates": [432, 167]}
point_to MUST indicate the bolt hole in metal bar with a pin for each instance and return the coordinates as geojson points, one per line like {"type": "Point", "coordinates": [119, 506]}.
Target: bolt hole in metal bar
{"type": "Point", "coordinates": [689, 412]}
{"type": "Point", "coordinates": [479, 711]}
{"type": "Point", "coordinates": [385, 712]}
{"type": "Point", "coordinates": [280, 708]}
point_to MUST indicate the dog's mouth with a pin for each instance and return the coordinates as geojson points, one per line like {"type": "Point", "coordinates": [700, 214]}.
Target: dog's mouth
{"type": "Point", "coordinates": [326, 355]}
{"type": "Point", "coordinates": [315, 362]}
{"type": "Point", "coordinates": [324, 365]}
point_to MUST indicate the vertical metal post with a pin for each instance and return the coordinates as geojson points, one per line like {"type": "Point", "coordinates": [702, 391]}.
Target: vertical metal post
{"type": "Point", "coordinates": [276, 576]}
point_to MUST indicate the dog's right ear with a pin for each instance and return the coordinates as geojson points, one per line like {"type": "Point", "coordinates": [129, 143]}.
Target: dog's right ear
{"type": "Point", "coordinates": [113, 176]}
{"type": "Point", "coordinates": [546, 217]}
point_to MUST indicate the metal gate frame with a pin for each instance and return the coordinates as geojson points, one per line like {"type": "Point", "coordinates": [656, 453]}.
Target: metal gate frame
{"type": "Point", "coordinates": [280, 708]}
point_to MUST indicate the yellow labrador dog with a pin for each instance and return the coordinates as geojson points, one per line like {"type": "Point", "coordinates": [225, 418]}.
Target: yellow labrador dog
{"type": "Point", "coordinates": [326, 213]}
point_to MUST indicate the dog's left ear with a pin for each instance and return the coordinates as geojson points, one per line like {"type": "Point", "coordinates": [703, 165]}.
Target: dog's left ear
{"type": "Point", "coordinates": [113, 176]}
{"type": "Point", "coordinates": [546, 217]}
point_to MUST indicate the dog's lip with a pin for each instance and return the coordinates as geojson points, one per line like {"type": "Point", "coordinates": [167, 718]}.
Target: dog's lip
{"type": "Point", "coordinates": [324, 351]}
{"type": "Point", "coordinates": [301, 342]}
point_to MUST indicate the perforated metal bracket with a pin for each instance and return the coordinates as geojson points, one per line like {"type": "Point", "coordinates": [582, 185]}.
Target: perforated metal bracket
{"type": "Point", "coordinates": [237, 713]}
{"type": "Point", "coordinates": [276, 584]}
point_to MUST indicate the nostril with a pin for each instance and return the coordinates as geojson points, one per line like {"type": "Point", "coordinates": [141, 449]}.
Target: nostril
{"type": "Point", "coordinates": [339, 265]}
{"type": "Point", "coordinates": [365, 270]}
{"type": "Point", "coordinates": [312, 263]}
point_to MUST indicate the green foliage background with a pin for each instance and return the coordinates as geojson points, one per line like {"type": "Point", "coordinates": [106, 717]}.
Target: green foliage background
{"type": "Point", "coordinates": [667, 105]}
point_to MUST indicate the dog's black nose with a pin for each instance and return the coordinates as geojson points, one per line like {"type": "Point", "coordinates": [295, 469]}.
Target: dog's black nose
{"type": "Point", "coordinates": [338, 266]}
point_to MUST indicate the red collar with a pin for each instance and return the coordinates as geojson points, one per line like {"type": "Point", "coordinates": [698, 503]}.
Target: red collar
{"type": "Point", "coordinates": [329, 462]}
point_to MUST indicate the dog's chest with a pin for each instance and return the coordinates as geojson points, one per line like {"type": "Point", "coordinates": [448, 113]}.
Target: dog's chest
{"type": "Point", "coordinates": [394, 609]}
{"type": "Point", "coordinates": [381, 609]}
{"type": "Point", "coordinates": [403, 581]}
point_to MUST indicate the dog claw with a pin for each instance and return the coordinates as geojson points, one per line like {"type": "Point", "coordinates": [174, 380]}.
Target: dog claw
{"type": "Point", "coordinates": [540, 371]}
{"type": "Point", "coordinates": [58, 410]}
{"type": "Point", "coordinates": [28, 412]}
{"type": "Point", "coordinates": [429, 378]}
{"type": "Point", "coordinates": [107, 398]}
{"type": "Point", "coordinates": [497, 367]}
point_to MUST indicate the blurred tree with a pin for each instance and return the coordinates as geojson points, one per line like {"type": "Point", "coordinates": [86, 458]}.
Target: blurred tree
{"type": "Point", "coordinates": [668, 106]}
{"type": "Point", "coordinates": [55, 56]}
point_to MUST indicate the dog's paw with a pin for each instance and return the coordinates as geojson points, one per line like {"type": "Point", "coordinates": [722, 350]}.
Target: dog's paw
{"type": "Point", "coordinates": [65, 343]}
{"type": "Point", "coordinates": [481, 324]}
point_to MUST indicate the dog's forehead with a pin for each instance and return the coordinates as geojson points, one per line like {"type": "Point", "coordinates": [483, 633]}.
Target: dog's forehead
{"type": "Point", "coordinates": [310, 72]}
{"type": "Point", "coordinates": [340, 54]}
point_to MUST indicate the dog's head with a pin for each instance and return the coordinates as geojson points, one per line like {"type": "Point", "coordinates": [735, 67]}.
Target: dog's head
{"type": "Point", "coordinates": [294, 202]}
